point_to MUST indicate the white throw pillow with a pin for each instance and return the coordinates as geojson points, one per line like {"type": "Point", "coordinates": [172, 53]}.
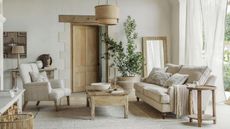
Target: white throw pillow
{"type": "Point", "coordinates": [176, 79]}
{"type": "Point", "coordinates": [158, 76]}
{"type": "Point", "coordinates": [39, 77]}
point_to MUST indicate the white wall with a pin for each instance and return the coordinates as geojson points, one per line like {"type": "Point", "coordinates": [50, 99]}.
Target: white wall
{"type": "Point", "coordinates": [46, 35]}
{"type": "Point", "coordinates": [2, 20]}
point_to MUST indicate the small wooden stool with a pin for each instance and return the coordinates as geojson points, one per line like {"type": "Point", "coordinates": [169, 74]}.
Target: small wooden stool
{"type": "Point", "coordinates": [199, 116]}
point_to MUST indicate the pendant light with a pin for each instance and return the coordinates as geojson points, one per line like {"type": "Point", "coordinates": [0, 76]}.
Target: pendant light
{"type": "Point", "coordinates": [107, 14]}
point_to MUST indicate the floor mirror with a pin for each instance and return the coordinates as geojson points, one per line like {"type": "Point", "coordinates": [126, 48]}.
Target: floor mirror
{"type": "Point", "coordinates": [155, 53]}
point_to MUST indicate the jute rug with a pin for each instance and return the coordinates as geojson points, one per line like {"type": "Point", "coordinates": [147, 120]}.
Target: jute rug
{"type": "Point", "coordinates": [141, 116]}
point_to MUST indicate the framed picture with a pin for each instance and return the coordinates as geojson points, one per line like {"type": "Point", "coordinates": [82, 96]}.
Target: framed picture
{"type": "Point", "coordinates": [11, 39]}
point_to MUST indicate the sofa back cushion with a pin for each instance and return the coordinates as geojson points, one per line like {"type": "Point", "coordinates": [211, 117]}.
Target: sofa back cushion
{"type": "Point", "coordinates": [199, 74]}
{"type": "Point", "coordinates": [173, 68]}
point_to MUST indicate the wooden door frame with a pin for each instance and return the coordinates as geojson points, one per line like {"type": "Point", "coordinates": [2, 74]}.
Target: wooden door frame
{"type": "Point", "coordinates": [81, 20]}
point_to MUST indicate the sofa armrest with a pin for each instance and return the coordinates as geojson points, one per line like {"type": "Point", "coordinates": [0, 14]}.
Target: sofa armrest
{"type": "Point", "coordinates": [57, 84]}
{"type": "Point", "coordinates": [143, 79]}
{"type": "Point", "coordinates": [37, 91]}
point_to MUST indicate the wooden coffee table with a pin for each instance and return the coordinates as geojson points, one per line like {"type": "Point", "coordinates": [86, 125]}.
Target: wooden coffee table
{"type": "Point", "coordinates": [107, 98]}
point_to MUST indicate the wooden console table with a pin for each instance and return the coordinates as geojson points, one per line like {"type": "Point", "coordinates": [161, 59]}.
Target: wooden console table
{"type": "Point", "coordinates": [199, 116]}
{"type": "Point", "coordinates": [6, 101]}
{"type": "Point", "coordinates": [15, 74]}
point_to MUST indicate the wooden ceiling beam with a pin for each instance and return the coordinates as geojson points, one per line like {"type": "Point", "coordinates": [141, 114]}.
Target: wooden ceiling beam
{"type": "Point", "coordinates": [78, 19]}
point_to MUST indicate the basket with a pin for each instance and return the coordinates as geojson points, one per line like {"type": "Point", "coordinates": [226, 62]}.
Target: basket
{"type": "Point", "coordinates": [18, 121]}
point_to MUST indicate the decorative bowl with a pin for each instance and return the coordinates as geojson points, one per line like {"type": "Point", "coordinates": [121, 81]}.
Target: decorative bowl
{"type": "Point", "coordinates": [99, 86]}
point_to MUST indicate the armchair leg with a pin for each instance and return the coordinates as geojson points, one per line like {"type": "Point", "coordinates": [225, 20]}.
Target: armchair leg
{"type": "Point", "coordinates": [24, 106]}
{"type": "Point", "coordinates": [56, 106]}
{"type": "Point", "coordinates": [163, 115]}
{"type": "Point", "coordinates": [68, 103]}
{"type": "Point", "coordinates": [38, 102]}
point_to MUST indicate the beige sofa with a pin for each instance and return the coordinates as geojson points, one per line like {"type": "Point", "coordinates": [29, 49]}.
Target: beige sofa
{"type": "Point", "coordinates": [161, 98]}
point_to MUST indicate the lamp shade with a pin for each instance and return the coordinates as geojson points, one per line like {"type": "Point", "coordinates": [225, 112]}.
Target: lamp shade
{"type": "Point", "coordinates": [107, 14]}
{"type": "Point", "coordinates": [18, 49]}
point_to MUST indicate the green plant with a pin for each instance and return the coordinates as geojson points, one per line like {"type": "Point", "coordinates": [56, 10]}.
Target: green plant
{"type": "Point", "coordinates": [227, 76]}
{"type": "Point", "coordinates": [128, 61]}
{"type": "Point", "coordinates": [227, 27]}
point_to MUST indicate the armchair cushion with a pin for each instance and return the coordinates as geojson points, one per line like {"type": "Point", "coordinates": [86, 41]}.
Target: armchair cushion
{"type": "Point", "coordinates": [59, 93]}
{"type": "Point", "coordinates": [24, 71]}
{"type": "Point", "coordinates": [39, 77]}
{"type": "Point", "coordinates": [57, 84]}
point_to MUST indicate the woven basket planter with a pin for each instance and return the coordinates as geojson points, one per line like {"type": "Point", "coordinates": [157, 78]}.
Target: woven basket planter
{"type": "Point", "coordinates": [18, 121]}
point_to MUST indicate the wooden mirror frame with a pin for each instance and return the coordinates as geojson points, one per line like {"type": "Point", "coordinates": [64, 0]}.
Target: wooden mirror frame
{"type": "Point", "coordinates": [144, 42]}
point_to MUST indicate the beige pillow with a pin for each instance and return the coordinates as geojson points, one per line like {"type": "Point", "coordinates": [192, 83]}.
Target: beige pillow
{"type": "Point", "coordinates": [199, 74]}
{"type": "Point", "coordinates": [38, 77]}
{"type": "Point", "coordinates": [176, 79]}
{"type": "Point", "coordinates": [172, 68]}
{"type": "Point", "coordinates": [158, 77]}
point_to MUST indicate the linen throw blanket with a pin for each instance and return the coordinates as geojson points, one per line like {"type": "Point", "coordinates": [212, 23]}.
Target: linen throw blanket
{"type": "Point", "coordinates": [179, 100]}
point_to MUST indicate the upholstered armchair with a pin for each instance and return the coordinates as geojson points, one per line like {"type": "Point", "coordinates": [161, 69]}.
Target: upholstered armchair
{"type": "Point", "coordinates": [50, 90]}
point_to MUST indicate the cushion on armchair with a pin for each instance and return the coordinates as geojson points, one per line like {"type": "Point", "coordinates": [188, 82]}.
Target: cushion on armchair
{"type": "Point", "coordinates": [38, 77]}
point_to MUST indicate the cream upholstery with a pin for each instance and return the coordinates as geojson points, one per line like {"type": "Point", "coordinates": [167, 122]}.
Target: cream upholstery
{"type": "Point", "coordinates": [172, 68]}
{"type": "Point", "coordinates": [155, 92]}
{"type": "Point", "coordinates": [51, 90]}
{"type": "Point", "coordinates": [196, 73]}
{"type": "Point", "coordinates": [162, 98]}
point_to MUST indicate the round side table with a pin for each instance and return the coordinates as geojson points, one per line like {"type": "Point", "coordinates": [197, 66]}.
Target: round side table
{"type": "Point", "coordinates": [200, 116]}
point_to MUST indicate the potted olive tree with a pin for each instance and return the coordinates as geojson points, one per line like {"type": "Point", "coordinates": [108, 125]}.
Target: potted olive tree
{"type": "Point", "coordinates": [128, 61]}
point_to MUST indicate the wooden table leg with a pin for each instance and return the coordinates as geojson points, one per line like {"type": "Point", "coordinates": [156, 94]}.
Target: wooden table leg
{"type": "Point", "coordinates": [214, 105]}
{"type": "Point", "coordinates": [190, 104]}
{"type": "Point", "coordinates": [14, 79]}
{"type": "Point", "coordinates": [87, 101]}
{"type": "Point", "coordinates": [126, 107]}
{"type": "Point", "coordinates": [199, 108]}
{"type": "Point", "coordinates": [92, 107]}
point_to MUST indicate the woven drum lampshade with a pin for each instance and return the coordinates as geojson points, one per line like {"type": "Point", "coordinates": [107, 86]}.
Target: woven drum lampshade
{"type": "Point", "coordinates": [107, 14]}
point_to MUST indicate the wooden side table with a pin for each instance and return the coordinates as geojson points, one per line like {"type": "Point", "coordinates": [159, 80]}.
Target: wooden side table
{"type": "Point", "coordinates": [199, 116]}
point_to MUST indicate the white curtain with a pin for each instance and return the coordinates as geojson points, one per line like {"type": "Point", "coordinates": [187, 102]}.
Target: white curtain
{"type": "Point", "coordinates": [204, 38]}
{"type": "Point", "coordinates": [155, 55]}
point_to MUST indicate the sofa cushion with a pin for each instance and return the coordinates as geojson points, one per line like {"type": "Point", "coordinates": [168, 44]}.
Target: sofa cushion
{"type": "Point", "coordinates": [176, 79]}
{"type": "Point", "coordinates": [199, 74]}
{"type": "Point", "coordinates": [172, 68]}
{"type": "Point", "coordinates": [157, 93]}
{"type": "Point", "coordinates": [157, 77]}
{"type": "Point", "coordinates": [139, 86]}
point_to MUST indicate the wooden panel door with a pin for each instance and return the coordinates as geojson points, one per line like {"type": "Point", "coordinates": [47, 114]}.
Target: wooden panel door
{"type": "Point", "coordinates": [85, 57]}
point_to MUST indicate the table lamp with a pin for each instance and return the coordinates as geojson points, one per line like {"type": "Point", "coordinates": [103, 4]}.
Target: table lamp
{"type": "Point", "coordinates": [18, 50]}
